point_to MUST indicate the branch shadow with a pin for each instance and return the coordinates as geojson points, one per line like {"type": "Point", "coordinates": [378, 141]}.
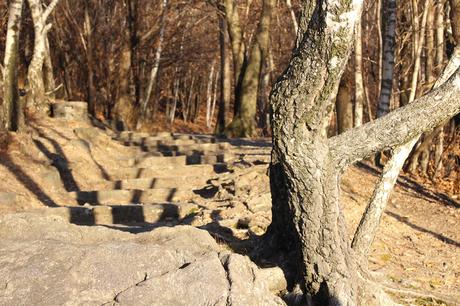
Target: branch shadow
{"type": "Point", "coordinates": [423, 230]}
{"type": "Point", "coordinates": [27, 181]}
{"type": "Point", "coordinates": [411, 185]}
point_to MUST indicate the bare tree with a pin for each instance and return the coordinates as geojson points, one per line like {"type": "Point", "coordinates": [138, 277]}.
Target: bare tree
{"type": "Point", "coordinates": [306, 165]}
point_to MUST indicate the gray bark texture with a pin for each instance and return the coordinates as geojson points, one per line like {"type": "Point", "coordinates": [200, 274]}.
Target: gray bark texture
{"type": "Point", "coordinates": [306, 166]}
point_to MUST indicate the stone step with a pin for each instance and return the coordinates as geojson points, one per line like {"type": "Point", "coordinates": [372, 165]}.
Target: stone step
{"type": "Point", "coordinates": [154, 142]}
{"type": "Point", "coordinates": [149, 161]}
{"type": "Point", "coordinates": [195, 158]}
{"type": "Point", "coordinates": [131, 138]}
{"type": "Point", "coordinates": [123, 197]}
{"type": "Point", "coordinates": [198, 147]}
{"type": "Point", "coordinates": [141, 139]}
{"type": "Point", "coordinates": [123, 214]}
{"type": "Point", "coordinates": [189, 182]}
{"type": "Point", "coordinates": [168, 171]}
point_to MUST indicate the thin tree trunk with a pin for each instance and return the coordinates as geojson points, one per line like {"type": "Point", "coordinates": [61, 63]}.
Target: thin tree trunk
{"type": "Point", "coordinates": [176, 97]}
{"type": "Point", "coordinates": [157, 59]}
{"type": "Point", "coordinates": [370, 221]}
{"type": "Point", "coordinates": [359, 82]}
{"type": "Point", "coordinates": [91, 93]}
{"type": "Point", "coordinates": [225, 79]}
{"type": "Point", "coordinates": [381, 50]}
{"type": "Point", "coordinates": [209, 94]}
{"type": "Point", "coordinates": [236, 38]}
{"type": "Point", "coordinates": [344, 100]}
{"type": "Point", "coordinates": [293, 16]}
{"type": "Point", "coordinates": [388, 59]}
{"type": "Point", "coordinates": [10, 110]}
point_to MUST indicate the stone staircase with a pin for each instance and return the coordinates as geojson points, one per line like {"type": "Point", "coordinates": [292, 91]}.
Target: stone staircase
{"type": "Point", "coordinates": [161, 182]}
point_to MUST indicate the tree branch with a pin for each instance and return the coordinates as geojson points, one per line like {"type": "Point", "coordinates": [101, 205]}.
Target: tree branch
{"type": "Point", "coordinates": [49, 10]}
{"type": "Point", "coordinates": [400, 126]}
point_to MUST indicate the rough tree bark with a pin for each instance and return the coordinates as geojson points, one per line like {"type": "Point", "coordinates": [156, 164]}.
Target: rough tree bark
{"type": "Point", "coordinates": [10, 109]}
{"type": "Point", "coordinates": [306, 165]}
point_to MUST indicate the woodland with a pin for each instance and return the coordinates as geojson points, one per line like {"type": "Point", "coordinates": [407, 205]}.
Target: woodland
{"type": "Point", "coordinates": [329, 84]}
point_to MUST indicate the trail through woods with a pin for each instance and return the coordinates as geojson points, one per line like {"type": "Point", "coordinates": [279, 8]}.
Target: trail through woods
{"type": "Point", "coordinates": [85, 173]}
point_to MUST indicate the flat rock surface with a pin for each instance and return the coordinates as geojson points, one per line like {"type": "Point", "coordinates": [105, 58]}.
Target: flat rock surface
{"type": "Point", "coordinates": [44, 260]}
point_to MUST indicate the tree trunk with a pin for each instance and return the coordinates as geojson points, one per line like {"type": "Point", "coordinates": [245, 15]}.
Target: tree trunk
{"type": "Point", "coordinates": [244, 122]}
{"type": "Point", "coordinates": [225, 82]}
{"type": "Point", "coordinates": [359, 82]}
{"type": "Point", "coordinates": [50, 84]}
{"type": "Point", "coordinates": [344, 100]}
{"type": "Point", "coordinates": [35, 77]}
{"type": "Point", "coordinates": [236, 39]}
{"type": "Point", "coordinates": [156, 62]}
{"type": "Point", "coordinates": [293, 16]}
{"type": "Point", "coordinates": [388, 59]}
{"type": "Point", "coordinates": [209, 95]}
{"type": "Point", "coordinates": [304, 180]}
{"type": "Point", "coordinates": [10, 109]}
{"type": "Point", "coordinates": [91, 91]}
{"type": "Point", "coordinates": [306, 166]}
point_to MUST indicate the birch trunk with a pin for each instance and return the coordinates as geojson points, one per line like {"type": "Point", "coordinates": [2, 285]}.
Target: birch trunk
{"type": "Point", "coordinates": [209, 94]}
{"type": "Point", "coordinates": [35, 77]}
{"type": "Point", "coordinates": [10, 109]}
{"type": "Point", "coordinates": [388, 59]}
{"type": "Point", "coordinates": [156, 63]}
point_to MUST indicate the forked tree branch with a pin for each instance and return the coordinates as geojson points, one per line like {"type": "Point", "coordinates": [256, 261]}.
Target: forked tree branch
{"type": "Point", "coordinates": [399, 126]}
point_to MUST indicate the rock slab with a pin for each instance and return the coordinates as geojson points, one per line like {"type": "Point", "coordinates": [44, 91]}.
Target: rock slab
{"type": "Point", "coordinates": [44, 260]}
